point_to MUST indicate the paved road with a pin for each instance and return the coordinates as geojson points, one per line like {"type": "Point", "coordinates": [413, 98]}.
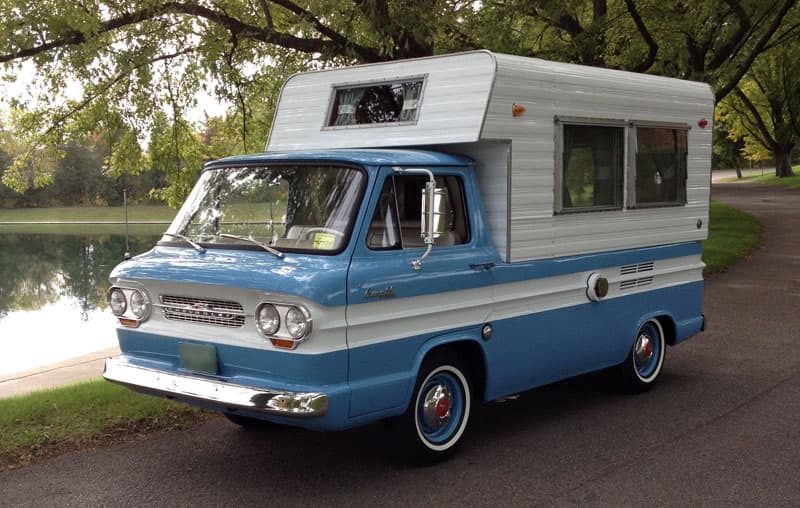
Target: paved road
{"type": "Point", "coordinates": [721, 429]}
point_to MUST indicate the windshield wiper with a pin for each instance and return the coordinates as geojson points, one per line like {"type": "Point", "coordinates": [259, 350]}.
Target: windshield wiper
{"type": "Point", "coordinates": [275, 252]}
{"type": "Point", "coordinates": [196, 246]}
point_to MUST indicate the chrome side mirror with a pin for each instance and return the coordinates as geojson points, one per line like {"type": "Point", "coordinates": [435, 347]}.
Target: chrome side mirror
{"type": "Point", "coordinates": [434, 206]}
{"type": "Point", "coordinates": [431, 209]}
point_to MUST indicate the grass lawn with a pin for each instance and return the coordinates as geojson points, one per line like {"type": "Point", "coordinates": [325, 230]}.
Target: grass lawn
{"type": "Point", "coordinates": [770, 178]}
{"type": "Point", "coordinates": [83, 229]}
{"type": "Point", "coordinates": [88, 213]}
{"type": "Point", "coordinates": [52, 422]}
{"type": "Point", "coordinates": [732, 235]}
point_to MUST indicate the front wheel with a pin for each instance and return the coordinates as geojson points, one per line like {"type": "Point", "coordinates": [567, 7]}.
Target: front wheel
{"type": "Point", "coordinates": [646, 358]}
{"type": "Point", "coordinates": [439, 411]}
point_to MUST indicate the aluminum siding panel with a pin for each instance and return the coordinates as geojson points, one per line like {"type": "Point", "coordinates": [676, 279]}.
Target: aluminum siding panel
{"type": "Point", "coordinates": [547, 89]}
{"type": "Point", "coordinates": [453, 104]}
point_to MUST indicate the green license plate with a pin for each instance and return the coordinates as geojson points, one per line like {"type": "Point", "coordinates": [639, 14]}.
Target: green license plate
{"type": "Point", "coordinates": [198, 357]}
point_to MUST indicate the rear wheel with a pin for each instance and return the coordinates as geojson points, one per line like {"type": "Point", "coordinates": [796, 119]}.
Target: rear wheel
{"type": "Point", "coordinates": [646, 358]}
{"type": "Point", "coordinates": [439, 411]}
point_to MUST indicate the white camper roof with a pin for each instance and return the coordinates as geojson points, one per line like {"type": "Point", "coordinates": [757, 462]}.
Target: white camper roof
{"type": "Point", "coordinates": [456, 95]}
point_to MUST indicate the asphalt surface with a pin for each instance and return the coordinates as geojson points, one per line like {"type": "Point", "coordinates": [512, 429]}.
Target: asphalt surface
{"type": "Point", "coordinates": [722, 428]}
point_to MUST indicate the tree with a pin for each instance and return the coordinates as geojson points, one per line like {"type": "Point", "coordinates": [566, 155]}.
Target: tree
{"type": "Point", "coordinates": [136, 60]}
{"type": "Point", "coordinates": [714, 41]}
{"type": "Point", "coordinates": [764, 109]}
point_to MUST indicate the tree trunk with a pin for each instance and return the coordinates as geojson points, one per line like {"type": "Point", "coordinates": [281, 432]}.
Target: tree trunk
{"type": "Point", "coordinates": [783, 160]}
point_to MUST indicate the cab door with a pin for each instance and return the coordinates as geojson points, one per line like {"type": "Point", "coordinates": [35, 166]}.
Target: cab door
{"type": "Point", "coordinates": [393, 308]}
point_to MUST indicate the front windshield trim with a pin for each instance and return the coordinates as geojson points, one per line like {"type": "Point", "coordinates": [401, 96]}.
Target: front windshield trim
{"type": "Point", "coordinates": [347, 232]}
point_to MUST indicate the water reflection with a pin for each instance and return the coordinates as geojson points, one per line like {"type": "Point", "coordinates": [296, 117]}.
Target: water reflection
{"type": "Point", "coordinates": [52, 295]}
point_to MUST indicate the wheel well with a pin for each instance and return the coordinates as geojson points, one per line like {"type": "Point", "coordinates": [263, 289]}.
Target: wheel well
{"type": "Point", "coordinates": [668, 325]}
{"type": "Point", "coordinates": [468, 352]}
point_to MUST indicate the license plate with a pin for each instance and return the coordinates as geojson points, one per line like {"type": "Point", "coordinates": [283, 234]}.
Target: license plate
{"type": "Point", "coordinates": [198, 357]}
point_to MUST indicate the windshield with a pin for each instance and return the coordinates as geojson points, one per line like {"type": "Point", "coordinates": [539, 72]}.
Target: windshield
{"type": "Point", "coordinates": [286, 207]}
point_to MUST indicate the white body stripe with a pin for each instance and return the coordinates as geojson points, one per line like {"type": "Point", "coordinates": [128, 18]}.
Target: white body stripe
{"type": "Point", "coordinates": [375, 322]}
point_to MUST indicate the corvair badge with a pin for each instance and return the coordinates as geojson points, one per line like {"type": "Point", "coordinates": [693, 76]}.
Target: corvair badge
{"type": "Point", "coordinates": [383, 293]}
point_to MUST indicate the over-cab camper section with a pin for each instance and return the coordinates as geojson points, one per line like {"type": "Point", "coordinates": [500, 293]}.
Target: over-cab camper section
{"type": "Point", "coordinates": [593, 160]}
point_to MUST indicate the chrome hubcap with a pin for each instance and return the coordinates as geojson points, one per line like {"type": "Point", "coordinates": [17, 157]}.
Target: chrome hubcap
{"type": "Point", "coordinates": [437, 405]}
{"type": "Point", "coordinates": [644, 349]}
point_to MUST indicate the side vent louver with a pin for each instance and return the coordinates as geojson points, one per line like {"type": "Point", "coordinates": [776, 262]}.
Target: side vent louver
{"type": "Point", "coordinates": [634, 269]}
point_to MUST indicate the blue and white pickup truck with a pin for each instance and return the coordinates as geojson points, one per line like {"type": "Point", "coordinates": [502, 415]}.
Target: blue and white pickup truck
{"type": "Point", "coordinates": [425, 235]}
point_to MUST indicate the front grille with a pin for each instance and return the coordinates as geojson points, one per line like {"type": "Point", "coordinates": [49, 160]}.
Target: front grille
{"type": "Point", "coordinates": [202, 310]}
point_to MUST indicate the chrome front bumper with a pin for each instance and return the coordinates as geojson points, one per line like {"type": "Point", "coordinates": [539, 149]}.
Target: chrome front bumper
{"type": "Point", "coordinates": [228, 395]}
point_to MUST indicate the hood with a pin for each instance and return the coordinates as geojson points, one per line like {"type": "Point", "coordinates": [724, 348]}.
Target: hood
{"type": "Point", "coordinates": [321, 279]}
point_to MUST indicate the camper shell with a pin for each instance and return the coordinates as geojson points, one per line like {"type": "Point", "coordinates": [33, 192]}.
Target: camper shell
{"type": "Point", "coordinates": [424, 235]}
{"type": "Point", "coordinates": [466, 107]}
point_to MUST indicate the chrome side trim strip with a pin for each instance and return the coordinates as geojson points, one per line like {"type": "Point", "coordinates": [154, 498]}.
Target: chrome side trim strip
{"type": "Point", "coordinates": [233, 396]}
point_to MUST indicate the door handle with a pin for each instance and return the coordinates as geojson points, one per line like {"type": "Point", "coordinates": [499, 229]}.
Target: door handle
{"type": "Point", "coordinates": [483, 266]}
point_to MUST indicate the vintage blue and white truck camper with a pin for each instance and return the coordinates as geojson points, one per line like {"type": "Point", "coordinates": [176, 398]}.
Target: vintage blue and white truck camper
{"type": "Point", "coordinates": [424, 235]}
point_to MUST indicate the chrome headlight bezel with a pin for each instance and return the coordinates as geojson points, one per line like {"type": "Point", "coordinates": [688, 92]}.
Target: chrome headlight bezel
{"type": "Point", "coordinates": [136, 304]}
{"type": "Point", "coordinates": [293, 324]}
{"type": "Point", "coordinates": [298, 323]}
{"type": "Point", "coordinates": [139, 304]}
{"type": "Point", "coordinates": [270, 329]}
{"type": "Point", "coordinates": [117, 301]}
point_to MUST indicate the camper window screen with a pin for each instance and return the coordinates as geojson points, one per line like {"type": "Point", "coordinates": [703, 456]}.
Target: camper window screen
{"type": "Point", "coordinates": [592, 168]}
{"type": "Point", "coordinates": [660, 166]}
{"type": "Point", "coordinates": [384, 103]}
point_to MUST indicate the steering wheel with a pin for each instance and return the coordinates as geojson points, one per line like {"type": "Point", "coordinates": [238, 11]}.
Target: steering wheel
{"type": "Point", "coordinates": [309, 233]}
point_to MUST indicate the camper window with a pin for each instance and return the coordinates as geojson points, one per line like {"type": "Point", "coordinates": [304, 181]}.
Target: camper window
{"type": "Point", "coordinates": [591, 168]}
{"type": "Point", "coordinates": [396, 220]}
{"type": "Point", "coordinates": [382, 103]}
{"type": "Point", "coordinates": [661, 156]}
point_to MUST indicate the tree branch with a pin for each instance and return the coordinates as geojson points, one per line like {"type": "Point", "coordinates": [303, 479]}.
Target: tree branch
{"type": "Point", "coordinates": [337, 45]}
{"type": "Point", "coordinates": [757, 50]}
{"type": "Point", "coordinates": [652, 46]}
{"type": "Point", "coordinates": [737, 39]}
{"type": "Point", "coordinates": [267, 13]}
{"type": "Point", "coordinates": [756, 117]}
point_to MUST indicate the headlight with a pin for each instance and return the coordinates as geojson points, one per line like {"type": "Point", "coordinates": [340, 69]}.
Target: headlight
{"type": "Point", "coordinates": [117, 301]}
{"type": "Point", "coordinates": [267, 319]}
{"type": "Point", "coordinates": [139, 305]}
{"type": "Point", "coordinates": [297, 324]}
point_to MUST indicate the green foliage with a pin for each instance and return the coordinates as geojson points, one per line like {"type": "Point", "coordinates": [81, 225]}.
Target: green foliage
{"type": "Point", "coordinates": [764, 111]}
{"type": "Point", "coordinates": [142, 66]}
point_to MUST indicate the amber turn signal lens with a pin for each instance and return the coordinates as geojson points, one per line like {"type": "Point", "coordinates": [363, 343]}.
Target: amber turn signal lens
{"type": "Point", "coordinates": [131, 323]}
{"type": "Point", "coordinates": [517, 109]}
{"type": "Point", "coordinates": [283, 343]}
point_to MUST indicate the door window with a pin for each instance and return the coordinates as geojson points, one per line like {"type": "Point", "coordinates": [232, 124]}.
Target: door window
{"type": "Point", "coordinates": [396, 220]}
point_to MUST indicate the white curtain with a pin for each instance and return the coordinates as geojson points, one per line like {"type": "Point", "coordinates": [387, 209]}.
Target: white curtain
{"type": "Point", "coordinates": [411, 93]}
{"type": "Point", "coordinates": [348, 101]}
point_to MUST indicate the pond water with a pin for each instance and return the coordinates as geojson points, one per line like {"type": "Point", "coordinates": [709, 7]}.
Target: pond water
{"type": "Point", "coordinates": [52, 295]}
